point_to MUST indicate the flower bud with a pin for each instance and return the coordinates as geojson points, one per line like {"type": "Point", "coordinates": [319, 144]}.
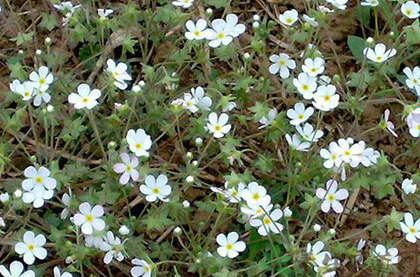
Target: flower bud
{"type": "Point", "coordinates": [271, 24]}
{"type": "Point", "coordinates": [247, 56]}
{"type": "Point", "coordinates": [4, 197]}
{"type": "Point", "coordinates": [209, 11]}
{"type": "Point", "coordinates": [256, 17]}
{"type": "Point", "coordinates": [287, 212]}
{"type": "Point", "coordinates": [186, 204]}
{"type": "Point", "coordinates": [198, 141]}
{"type": "Point", "coordinates": [50, 108]}
{"type": "Point", "coordinates": [336, 78]}
{"type": "Point", "coordinates": [124, 230]}
{"type": "Point", "coordinates": [112, 145]}
{"type": "Point", "coordinates": [47, 41]}
{"type": "Point", "coordinates": [194, 163]}
{"type": "Point", "coordinates": [332, 232]}
{"type": "Point", "coordinates": [38, 52]}
{"type": "Point", "coordinates": [256, 24]}
{"type": "Point", "coordinates": [189, 179]}
{"type": "Point", "coordinates": [189, 155]}
{"type": "Point", "coordinates": [317, 227]}
{"type": "Point", "coordinates": [17, 193]}
{"type": "Point", "coordinates": [177, 231]}
{"type": "Point", "coordinates": [21, 52]}
{"type": "Point", "coordinates": [136, 88]}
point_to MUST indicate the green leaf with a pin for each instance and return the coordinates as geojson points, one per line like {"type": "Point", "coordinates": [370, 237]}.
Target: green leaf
{"type": "Point", "coordinates": [217, 3]}
{"type": "Point", "coordinates": [48, 22]}
{"type": "Point", "coordinates": [225, 53]}
{"type": "Point", "coordinates": [413, 33]}
{"type": "Point", "coordinates": [356, 45]}
{"type": "Point", "coordinates": [363, 15]}
{"type": "Point", "coordinates": [389, 16]}
{"type": "Point", "coordinates": [22, 38]}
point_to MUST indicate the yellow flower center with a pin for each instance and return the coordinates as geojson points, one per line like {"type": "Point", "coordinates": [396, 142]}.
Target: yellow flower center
{"type": "Point", "coordinates": [137, 145]}
{"type": "Point", "coordinates": [146, 268]}
{"type": "Point", "coordinates": [347, 153]}
{"type": "Point", "coordinates": [218, 128]}
{"type": "Point", "coordinates": [89, 218]}
{"type": "Point", "coordinates": [155, 191]}
{"type": "Point", "coordinates": [27, 93]}
{"type": "Point", "coordinates": [331, 197]}
{"type": "Point", "coordinates": [229, 246]}
{"type": "Point", "coordinates": [282, 62]}
{"type": "Point", "coordinates": [38, 179]}
{"type": "Point", "coordinates": [42, 81]}
{"type": "Point", "coordinates": [129, 168]}
{"type": "Point", "coordinates": [313, 69]}
{"type": "Point", "coordinates": [85, 100]}
{"type": "Point", "coordinates": [289, 20]}
{"type": "Point", "coordinates": [31, 247]}
{"type": "Point", "coordinates": [412, 230]}
{"type": "Point", "coordinates": [415, 81]}
{"type": "Point", "coordinates": [327, 98]}
{"type": "Point", "coordinates": [256, 196]}
{"type": "Point", "coordinates": [418, 127]}
{"type": "Point", "coordinates": [259, 211]}
{"type": "Point", "coordinates": [379, 58]}
{"type": "Point", "coordinates": [305, 87]}
{"type": "Point", "coordinates": [266, 221]}
{"type": "Point", "coordinates": [197, 33]}
{"type": "Point", "coordinates": [409, 12]}
{"type": "Point", "coordinates": [313, 257]}
{"type": "Point", "coordinates": [300, 116]}
{"type": "Point", "coordinates": [221, 35]}
{"type": "Point", "coordinates": [234, 193]}
{"type": "Point", "coordinates": [333, 157]}
{"type": "Point", "coordinates": [116, 74]}
{"type": "Point", "coordinates": [189, 104]}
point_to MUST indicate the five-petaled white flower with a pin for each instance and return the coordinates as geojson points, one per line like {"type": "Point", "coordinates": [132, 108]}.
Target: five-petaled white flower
{"type": "Point", "coordinates": [139, 142]}
{"type": "Point", "coordinates": [127, 167]}
{"type": "Point", "coordinates": [387, 257]}
{"type": "Point", "coordinates": [313, 67]}
{"type": "Point", "coordinates": [410, 9]}
{"type": "Point", "coordinates": [306, 85]}
{"type": "Point", "coordinates": [141, 268]}
{"type": "Point", "coordinates": [104, 13]}
{"type": "Point", "coordinates": [310, 20]}
{"type": "Point", "coordinates": [299, 114]}
{"type": "Point", "coordinates": [113, 248]}
{"type": "Point", "coordinates": [413, 78]}
{"type": "Point", "coordinates": [57, 273]}
{"type": "Point", "coordinates": [339, 4]}
{"type": "Point", "coordinates": [272, 114]}
{"type": "Point", "coordinates": [26, 90]}
{"type": "Point", "coordinates": [119, 74]}
{"type": "Point", "coordinates": [380, 54]}
{"type": "Point", "coordinates": [16, 270]}
{"type": "Point", "coordinates": [38, 186]}
{"type": "Point", "coordinates": [84, 98]}
{"type": "Point", "coordinates": [42, 79]}
{"type": "Point", "coordinates": [281, 64]}
{"type": "Point", "coordinates": [332, 197]}
{"type": "Point", "coordinates": [217, 125]}
{"type": "Point", "coordinates": [325, 98]}
{"type": "Point", "coordinates": [189, 103]}
{"type": "Point", "coordinates": [31, 247]}
{"type": "Point", "coordinates": [308, 133]}
{"type": "Point", "coordinates": [256, 195]}
{"type": "Point", "coordinates": [223, 32]}
{"type": "Point", "coordinates": [408, 186]}
{"type": "Point", "coordinates": [196, 31]}
{"type": "Point", "coordinates": [203, 102]}
{"type": "Point", "coordinates": [268, 223]}
{"type": "Point", "coordinates": [229, 245]}
{"type": "Point", "coordinates": [410, 228]}
{"type": "Point", "coordinates": [156, 188]}
{"type": "Point", "coordinates": [413, 122]}
{"type": "Point", "coordinates": [296, 143]}
{"type": "Point", "coordinates": [289, 17]}
{"type": "Point", "coordinates": [183, 3]}
{"type": "Point", "coordinates": [332, 155]}
{"type": "Point", "coordinates": [315, 253]}
{"type": "Point", "coordinates": [89, 218]}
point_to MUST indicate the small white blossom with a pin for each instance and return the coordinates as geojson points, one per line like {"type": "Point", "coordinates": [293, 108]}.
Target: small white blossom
{"type": "Point", "coordinates": [410, 228]}
{"type": "Point", "coordinates": [268, 223]}
{"type": "Point", "coordinates": [370, 3]}
{"type": "Point", "coordinates": [119, 73]}
{"type": "Point", "coordinates": [229, 245]}
{"type": "Point", "coordinates": [272, 114]}
{"type": "Point", "coordinates": [313, 67]}
{"type": "Point", "coordinates": [410, 9]}
{"type": "Point", "coordinates": [57, 273]}
{"type": "Point", "coordinates": [217, 125]}
{"type": "Point", "coordinates": [380, 54]}
{"type": "Point", "coordinates": [156, 188]}
{"type": "Point", "coordinates": [84, 98]}
{"type": "Point", "coordinates": [89, 218]}
{"type": "Point", "coordinates": [408, 186]}
{"type": "Point", "coordinates": [113, 248]}
{"type": "Point", "coordinates": [325, 98]}
{"type": "Point", "coordinates": [281, 64]}
{"type": "Point", "coordinates": [140, 268]}
{"type": "Point", "coordinates": [183, 3]}
{"type": "Point", "coordinates": [289, 17]}
{"type": "Point", "coordinates": [196, 31]}
{"type": "Point", "coordinates": [299, 114]}
{"type": "Point", "coordinates": [31, 247]}
{"type": "Point", "coordinates": [127, 168]}
{"type": "Point", "coordinates": [387, 257]}
{"type": "Point", "coordinates": [104, 13]}
{"type": "Point", "coordinates": [331, 197]}
{"type": "Point", "coordinates": [16, 269]}
{"type": "Point", "coordinates": [296, 143]}
{"type": "Point", "coordinates": [306, 85]}
{"type": "Point", "coordinates": [413, 79]}
{"type": "Point", "coordinates": [139, 142]}
{"type": "Point", "coordinates": [308, 133]}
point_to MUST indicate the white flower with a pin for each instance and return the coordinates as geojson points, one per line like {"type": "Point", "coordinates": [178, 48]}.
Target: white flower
{"type": "Point", "coordinates": [324, 80]}
{"type": "Point", "coordinates": [31, 247]}
{"type": "Point", "coordinates": [203, 102]}
{"type": "Point", "coordinates": [359, 256]}
{"type": "Point", "coordinates": [38, 177]}
{"type": "Point", "coordinates": [281, 64]}
{"type": "Point", "coordinates": [124, 230]}
{"type": "Point", "coordinates": [156, 188]}
{"type": "Point", "coordinates": [139, 142]}
{"type": "Point", "coordinates": [327, 266]}
{"type": "Point", "coordinates": [379, 55]}
{"type": "Point", "coordinates": [413, 79]}
{"type": "Point", "coordinates": [196, 31]}
{"type": "Point", "coordinates": [41, 79]}
{"type": "Point", "coordinates": [413, 122]}
{"type": "Point", "coordinates": [141, 268]}
{"type": "Point", "coordinates": [189, 103]}
{"type": "Point", "coordinates": [57, 273]}
{"type": "Point", "coordinates": [257, 211]}
{"type": "Point", "coordinates": [104, 13]}
{"type": "Point", "coordinates": [331, 197]}
{"type": "Point", "coordinates": [389, 125]}
{"type": "Point", "coordinates": [41, 96]}
{"type": "Point", "coordinates": [299, 114]}
{"type": "Point", "coordinates": [66, 7]}
{"type": "Point", "coordinates": [339, 4]}
{"type": "Point", "coordinates": [219, 34]}
{"type": "Point", "coordinates": [289, 17]}
{"type": "Point", "coordinates": [217, 125]}
{"type": "Point", "coordinates": [410, 228]}
{"type": "Point", "coordinates": [312, 21]}
{"type": "Point", "coordinates": [408, 186]}
{"type": "Point", "coordinates": [287, 212]}
{"type": "Point", "coordinates": [183, 3]}
{"type": "Point", "coordinates": [66, 201]}
{"type": "Point", "coordinates": [306, 85]}
{"type": "Point", "coordinates": [315, 253]}
{"type": "Point", "coordinates": [119, 73]}
{"type": "Point", "coordinates": [232, 25]}
{"type": "Point", "coordinates": [228, 106]}
{"type": "Point", "coordinates": [331, 155]}
{"type": "Point", "coordinates": [410, 9]}
{"type": "Point", "coordinates": [230, 246]}
{"type": "Point", "coordinates": [186, 204]}
{"type": "Point", "coordinates": [324, 9]}
{"type": "Point", "coordinates": [127, 167]}
{"type": "Point", "coordinates": [317, 227]}
{"type": "Point", "coordinates": [26, 90]}
{"type": "Point", "coordinates": [89, 218]}
{"type": "Point", "coordinates": [313, 67]}
{"type": "Point", "coordinates": [4, 197]}
{"type": "Point", "coordinates": [296, 143]}
{"type": "Point", "coordinates": [268, 223]}
{"type": "Point", "coordinates": [348, 152]}
{"type": "Point", "coordinates": [16, 270]}
{"type": "Point", "coordinates": [325, 98]}
{"type": "Point", "coordinates": [96, 240]}
{"type": "Point", "coordinates": [113, 248]}
{"type": "Point", "coordinates": [371, 3]}
{"type": "Point", "coordinates": [232, 193]}
{"type": "Point", "coordinates": [308, 132]}
{"type": "Point", "coordinates": [267, 121]}
{"type": "Point", "coordinates": [256, 195]}
{"type": "Point", "coordinates": [387, 257]}
{"type": "Point", "coordinates": [84, 98]}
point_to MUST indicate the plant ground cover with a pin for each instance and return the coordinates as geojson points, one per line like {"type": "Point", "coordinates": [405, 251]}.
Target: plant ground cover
{"type": "Point", "coordinates": [209, 138]}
